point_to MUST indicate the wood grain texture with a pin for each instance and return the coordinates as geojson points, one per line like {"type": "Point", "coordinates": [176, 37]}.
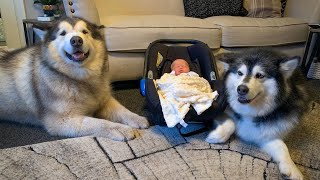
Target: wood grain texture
{"type": "Point", "coordinates": [160, 153]}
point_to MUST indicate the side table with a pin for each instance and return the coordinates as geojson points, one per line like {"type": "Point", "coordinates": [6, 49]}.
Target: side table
{"type": "Point", "coordinates": [29, 24]}
{"type": "Point", "coordinates": [310, 54]}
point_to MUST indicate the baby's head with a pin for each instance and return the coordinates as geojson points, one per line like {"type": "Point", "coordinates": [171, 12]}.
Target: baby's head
{"type": "Point", "coordinates": [180, 66]}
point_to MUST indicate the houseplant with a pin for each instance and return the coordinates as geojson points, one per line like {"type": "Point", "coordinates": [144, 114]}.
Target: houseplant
{"type": "Point", "coordinates": [49, 7]}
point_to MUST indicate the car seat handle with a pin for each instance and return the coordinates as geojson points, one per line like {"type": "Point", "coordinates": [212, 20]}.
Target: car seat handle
{"type": "Point", "coordinates": [177, 41]}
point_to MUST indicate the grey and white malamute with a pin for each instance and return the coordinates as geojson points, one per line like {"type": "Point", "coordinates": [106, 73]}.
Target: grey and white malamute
{"type": "Point", "coordinates": [63, 85]}
{"type": "Point", "coordinates": [267, 98]}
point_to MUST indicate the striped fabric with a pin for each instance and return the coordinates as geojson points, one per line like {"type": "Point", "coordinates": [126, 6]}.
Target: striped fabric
{"type": "Point", "coordinates": [2, 37]}
{"type": "Point", "coordinates": [264, 8]}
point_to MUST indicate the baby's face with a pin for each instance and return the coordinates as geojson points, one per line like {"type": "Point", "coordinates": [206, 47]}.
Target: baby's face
{"type": "Point", "coordinates": [180, 66]}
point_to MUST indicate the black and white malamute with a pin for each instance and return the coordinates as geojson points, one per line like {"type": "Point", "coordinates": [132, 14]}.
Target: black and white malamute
{"type": "Point", "coordinates": [62, 85]}
{"type": "Point", "coordinates": [267, 98]}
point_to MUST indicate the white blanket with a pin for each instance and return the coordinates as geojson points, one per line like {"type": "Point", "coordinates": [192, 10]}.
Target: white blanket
{"type": "Point", "coordinates": [177, 93]}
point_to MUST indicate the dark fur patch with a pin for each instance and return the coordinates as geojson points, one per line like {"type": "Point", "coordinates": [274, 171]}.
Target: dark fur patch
{"type": "Point", "coordinates": [93, 28]}
{"type": "Point", "coordinates": [258, 56]}
{"type": "Point", "coordinates": [9, 55]}
{"type": "Point", "coordinates": [8, 58]}
{"type": "Point", "coordinates": [36, 92]}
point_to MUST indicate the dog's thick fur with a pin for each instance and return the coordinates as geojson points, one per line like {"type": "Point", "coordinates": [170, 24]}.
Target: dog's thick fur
{"type": "Point", "coordinates": [63, 85]}
{"type": "Point", "coordinates": [266, 95]}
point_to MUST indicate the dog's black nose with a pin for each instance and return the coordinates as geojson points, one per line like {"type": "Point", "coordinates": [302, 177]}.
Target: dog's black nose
{"type": "Point", "coordinates": [242, 90]}
{"type": "Point", "coordinates": [76, 41]}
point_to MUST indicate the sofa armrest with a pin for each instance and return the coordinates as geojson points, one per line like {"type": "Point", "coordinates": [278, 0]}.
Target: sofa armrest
{"type": "Point", "coordinates": [308, 10]}
{"type": "Point", "coordinates": [82, 8]}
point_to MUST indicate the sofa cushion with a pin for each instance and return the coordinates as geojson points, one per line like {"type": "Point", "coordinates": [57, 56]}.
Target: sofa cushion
{"type": "Point", "coordinates": [245, 31]}
{"type": "Point", "coordinates": [208, 8]}
{"type": "Point", "coordinates": [138, 7]}
{"type": "Point", "coordinates": [135, 33]}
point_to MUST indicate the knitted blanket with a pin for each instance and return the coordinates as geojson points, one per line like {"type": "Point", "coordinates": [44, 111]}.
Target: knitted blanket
{"type": "Point", "coordinates": [178, 93]}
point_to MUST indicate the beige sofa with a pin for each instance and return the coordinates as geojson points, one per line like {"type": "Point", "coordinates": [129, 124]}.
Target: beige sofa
{"type": "Point", "coordinates": [132, 25]}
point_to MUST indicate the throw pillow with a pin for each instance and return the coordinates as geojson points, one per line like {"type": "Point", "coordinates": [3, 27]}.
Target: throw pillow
{"type": "Point", "coordinates": [283, 6]}
{"type": "Point", "coordinates": [208, 8]}
{"type": "Point", "coordinates": [264, 8]}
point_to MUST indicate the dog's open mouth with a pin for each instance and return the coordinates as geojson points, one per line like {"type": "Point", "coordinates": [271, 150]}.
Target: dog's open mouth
{"type": "Point", "coordinates": [77, 56]}
{"type": "Point", "coordinates": [245, 100]}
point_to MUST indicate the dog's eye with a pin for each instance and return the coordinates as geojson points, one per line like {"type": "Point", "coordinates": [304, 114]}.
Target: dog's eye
{"type": "Point", "coordinates": [84, 31]}
{"type": "Point", "coordinates": [239, 73]}
{"type": "Point", "coordinates": [259, 76]}
{"type": "Point", "coordinates": [63, 33]}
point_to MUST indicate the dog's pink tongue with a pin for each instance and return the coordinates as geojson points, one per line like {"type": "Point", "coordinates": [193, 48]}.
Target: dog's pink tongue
{"type": "Point", "coordinates": [78, 55]}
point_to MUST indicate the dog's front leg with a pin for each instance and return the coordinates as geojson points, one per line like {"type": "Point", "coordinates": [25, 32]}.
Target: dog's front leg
{"type": "Point", "coordinates": [87, 126]}
{"type": "Point", "coordinates": [279, 152]}
{"type": "Point", "coordinates": [225, 128]}
{"type": "Point", "coordinates": [114, 111]}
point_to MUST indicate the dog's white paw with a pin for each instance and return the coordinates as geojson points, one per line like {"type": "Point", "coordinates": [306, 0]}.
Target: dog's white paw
{"type": "Point", "coordinates": [290, 171]}
{"type": "Point", "coordinates": [222, 133]}
{"type": "Point", "coordinates": [120, 133]}
{"type": "Point", "coordinates": [137, 121]}
{"type": "Point", "coordinates": [218, 136]}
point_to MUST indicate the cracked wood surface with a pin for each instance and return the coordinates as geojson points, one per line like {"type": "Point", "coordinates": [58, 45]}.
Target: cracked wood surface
{"type": "Point", "coordinates": [160, 153]}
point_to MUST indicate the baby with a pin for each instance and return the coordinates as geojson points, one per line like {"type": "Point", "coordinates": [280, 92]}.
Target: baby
{"type": "Point", "coordinates": [181, 89]}
{"type": "Point", "coordinates": [179, 66]}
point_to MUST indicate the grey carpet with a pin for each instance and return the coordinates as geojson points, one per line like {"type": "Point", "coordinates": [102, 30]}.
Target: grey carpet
{"type": "Point", "coordinates": [157, 153]}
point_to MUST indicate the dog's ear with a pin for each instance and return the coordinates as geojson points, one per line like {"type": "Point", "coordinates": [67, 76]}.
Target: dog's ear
{"type": "Point", "coordinates": [224, 60]}
{"type": "Point", "coordinates": [289, 65]}
{"type": "Point", "coordinates": [40, 33]}
{"type": "Point", "coordinates": [101, 27]}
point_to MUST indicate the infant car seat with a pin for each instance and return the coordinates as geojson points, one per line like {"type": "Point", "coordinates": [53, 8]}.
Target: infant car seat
{"type": "Point", "coordinates": [159, 56]}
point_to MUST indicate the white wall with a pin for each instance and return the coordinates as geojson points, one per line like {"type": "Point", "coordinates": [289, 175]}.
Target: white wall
{"type": "Point", "coordinates": [12, 12]}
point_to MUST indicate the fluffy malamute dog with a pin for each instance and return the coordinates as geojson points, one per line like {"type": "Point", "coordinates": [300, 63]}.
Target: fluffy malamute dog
{"type": "Point", "coordinates": [63, 85]}
{"type": "Point", "coordinates": [266, 95]}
